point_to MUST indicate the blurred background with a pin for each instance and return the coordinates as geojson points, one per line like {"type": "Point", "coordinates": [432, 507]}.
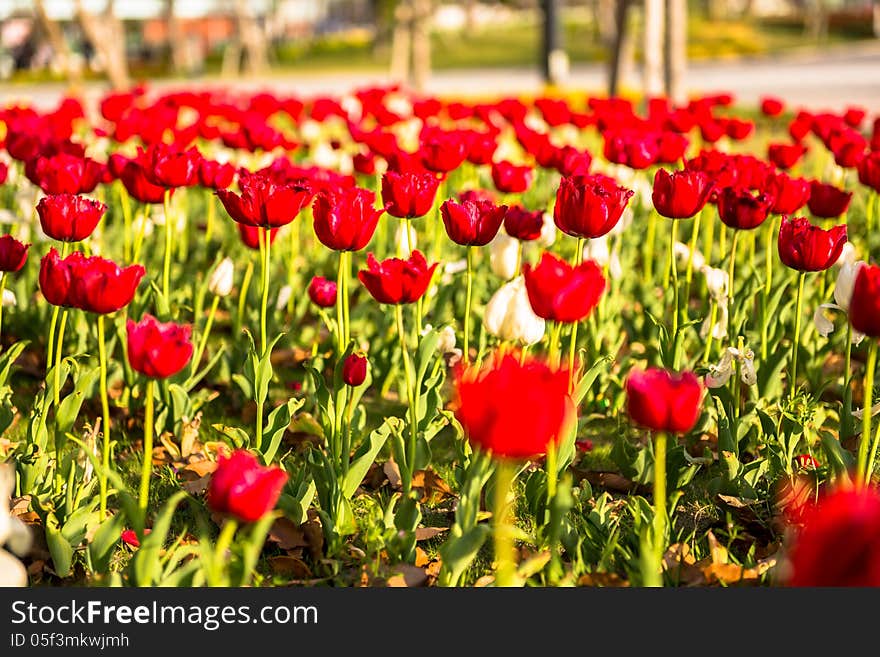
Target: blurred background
{"type": "Point", "coordinates": [813, 52]}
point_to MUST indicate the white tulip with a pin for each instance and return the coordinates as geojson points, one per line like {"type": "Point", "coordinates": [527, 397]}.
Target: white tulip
{"type": "Point", "coordinates": [9, 298]}
{"type": "Point", "coordinates": [13, 533]}
{"type": "Point", "coordinates": [717, 282]}
{"type": "Point", "coordinates": [682, 254]}
{"type": "Point", "coordinates": [822, 320]}
{"type": "Point", "coordinates": [598, 250]}
{"type": "Point", "coordinates": [509, 314]}
{"type": "Point", "coordinates": [847, 254]}
{"type": "Point", "coordinates": [548, 231]}
{"type": "Point", "coordinates": [719, 329]}
{"type": "Point", "coordinates": [720, 374]}
{"type": "Point", "coordinates": [504, 256]}
{"type": "Point", "coordinates": [221, 279]}
{"type": "Point", "coordinates": [283, 297]}
{"type": "Point", "coordinates": [846, 281]}
{"type": "Point", "coordinates": [446, 344]}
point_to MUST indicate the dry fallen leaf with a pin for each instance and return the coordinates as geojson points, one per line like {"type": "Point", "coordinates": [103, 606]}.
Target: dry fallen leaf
{"type": "Point", "coordinates": [407, 576]}
{"type": "Point", "coordinates": [289, 566]}
{"type": "Point", "coordinates": [602, 579]}
{"type": "Point", "coordinates": [393, 473]}
{"type": "Point", "coordinates": [427, 533]}
{"type": "Point", "coordinates": [433, 489]}
{"type": "Point", "coordinates": [287, 534]}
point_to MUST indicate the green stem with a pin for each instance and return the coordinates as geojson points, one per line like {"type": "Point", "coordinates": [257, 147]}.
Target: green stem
{"type": "Point", "coordinates": [147, 465]}
{"type": "Point", "coordinates": [411, 398]}
{"type": "Point", "coordinates": [166, 262]}
{"type": "Point", "coordinates": [689, 270]}
{"type": "Point", "coordinates": [224, 540]}
{"type": "Point", "coordinates": [654, 578]}
{"type": "Point", "coordinates": [203, 341]}
{"type": "Point", "coordinates": [555, 330]}
{"type": "Point", "coordinates": [265, 252]}
{"type": "Point", "coordinates": [346, 278]}
{"type": "Point", "coordinates": [346, 434]}
{"type": "Point", "coordinates": [572, 348]}
{"type": "Point", "coordinates": [795, 345]}
{"type": "Point", "coordinates": [105, 414]}
{"type": "Point", "coordinates": [731, 288]}
{"type": "Point", "coordinates": [2, 288]}
{"type": "Point", "coordinates": [505, 559]}
{"type": "Point", "coordinates": [650, 238]}
{"type": "Point", "coordinates": [59, 351]}
{"type": "Point", "coordinates": [673, 274]}
{"type": "Point", "coordinates": [291, 267]}
{"type": "Point", "coordinates": [340, 310]}
{"type": "Point", "coordinates": [243, 293]}
{"type": "Point", "coordinates": [50, 345]}
{"type": "Point", "coordinates": [768, 285]}
{"type": "Point", "coordinates": [713, 317]}
{"type": "Point", "coordinates": [868, 392]}
{"type": "Point", "coordinates": [210, 214]}
{"type": "Point", "coordinates": [467, 305]}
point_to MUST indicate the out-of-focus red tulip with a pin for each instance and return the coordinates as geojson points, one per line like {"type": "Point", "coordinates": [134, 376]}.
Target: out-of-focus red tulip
{"type": "Point", "coordinates": [680, 194]}
{"type": "Point", "coordinates": [771, 106]}
{"type": "Point", "coordinates": [138, 185]}
{"type": "Point", "coordinates": [395, 281]}
{"type": "Point", "coordinates": [169, 166]}
{"type": "Point", "coordinates": [789, 194]}
{"type": "Point", "coordinates": [242, 488]}
{"type": "Point", "coordinates": [263, 202]}
{"type": "Point", "coordinates": [472, 223]}
{"type": "Point", "coordinates": [214, 175]}
{"type": "Point", "coordinates": [68, 217]}
{"type": "Point", "coordinates": [157, 350]}
{"type": "Point", "coordinates": [250, 235]}
{"type": "Point", "coordinates": [514, 409]}
{"type": "Point", "coordinates": [827, 201]}
{"type": "Point", "coordinates": [672, 147]}
{"type": "Point", "coordinates": [738, 129]}
{"type": "Point", "coordinates": [510, 178]}
{"type": "Point", "coordinates": [92, 284]}
{"type": "Point", "coordinates": [805, 247]}
{"type": "Point", "coordinates": [481, 147]}
{"type": "Point", "coordinates": [4, 172]}
{"type": "Point", "coordinates": [589, 206]}
{"type": "Point", "coordinates": [635, 149]}
{"type": "Point", "coordinates": [864, 306]}
{"type": "Point", "coordinates": [63, 173]}
{"type": "Point", "coordinates": [354, 370]}
{"type": "Point", "coordinates": [662, 401]}
{"type": "Point", "coordinates": [409, 194]}
{"type": "Point", "coordinates": [785, 156]}
{"type": "Point", "coordinates": [739, 208]}
{"type": "Point", "coordinates": [443, 151]}
{"type": "Point", "coordinates": [346, 220]}
{"type": "Point", "coordinates": [869, 171]}
{"type": "Point", "coordinates": [322, 292]}
{"type": "Point", "coordinates": [839, 544]}
{"type": "Point", "coordinates": [561, 292]}
{"type": "Point", "coordinates": [13, 254]}
{"type": "Point", "coordinates": [522, 224]}
{"type": "Point", "coordinates": [854, 116]}
{"type": "Point", "coordinates": [364, 163]}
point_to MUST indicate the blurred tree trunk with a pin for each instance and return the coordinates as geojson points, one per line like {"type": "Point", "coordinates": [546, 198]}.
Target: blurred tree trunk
{"type": "Point", "coordinates": [604, 13]}
{"type": "Point", "coordinates": [400, 42]}
{"type": "Point", "coordinates": [58, 43]}
{"type": "Point", "coordinates": [423, 11]}
{"type": "Point", "coordinates": [676, 49]}
{"type": "Point", "coordinates": [816, 19]}
{"type": "Point", "coordinates": [554, 59]}
{"type": "Point", "coordinates": [176, 43]}
{"type": "Point", "coordinates": [107, 37]}
{"type": "Point", "coordinates": [254, 46]}
{"type": "Point", "coordinates": [877, 18]}
{"type": "Point", "coordinates": [653, 50]}
{"type": "Point", "coordinates": [621, 49]}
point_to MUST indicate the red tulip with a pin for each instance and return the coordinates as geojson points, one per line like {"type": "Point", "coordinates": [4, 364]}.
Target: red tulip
{"type": "Point", "coordinates": [345, 220]}
{"type": "Point", "coordinates": [92, 284]}
{"type": "Point", "coordinates": [523, 224]}
{"type": "Point", "coordinates": [64, 173]}
{"type": "Point", "coordinates": [263, 202]}
{"type": "Point", "coordinates": [785, 156]}
{"type": "Point", "coordinates": [864, 306]}
{"type": "Point", "coordinates": [354, 370]}
{"type": "Point", "coordinates": [772, 106]}
{"type": "Point", "coordinates": [589, 206]}
{"type": "Point", "coordinates": [214, 175]}
{"type": "Point", "coordinates": [738, 129]}
{"type": "Point", "coordinates": [869, 171]}
{"type": "Point", "coordinates": [854, 116]}
{"type": "Point", "coordinates": [168, 166]}
{"type": "Point", "coordinates": [13, 254]}
{"type": "Point", "coordinates": [662, 401]}
{"type": "Point", "coordinates": [250, 235]}
{"type": "Point", "coordinates": [244, 489]}
{"type": "Point", "coordinates": [805, 247]}
{"type": "Point", "coordinates": [672, 147]}
{"type": "Point", "coordinates": [137, 184]}
{"type": "Point", "coordinates": [322, 292]}
{"type": "Point", "coordinates": [472, 223]}
{"type": "Point", "coordinates": [4, 172]}
{"type": "Point", "coordinates": [789, 194]}
{"type": "Point", "coordinates": [396, 281]}
{"type": "Point", "coordinates": [514, 409]}
{"type": "Point", "coordinates": [635, 149]}
{"type": "Point", "coordinates": [848, 149]}
{"type": "Point", "coordinates": [839, 544]}
{"type": "Point", "coordinates": [443, 151]}
{"type": "Point", "coordinates": [409, 194]}
{"type": "Point", "coordinates": [481, 147]}
{"type": "Point", "coordinates": [739, 208]}
{"type": "Point", "coordinates": [158, 350]}
{"type": "Point", "coordinates": [69, 218]}
{"type": "Point", "coordinates": [827, 201]}
{"type": "Point", "coordinates": [364, 163]}
{"type": "Point", "coordinates": [680, 194]}
{"type": "Point", "coordinates": [560, 292]}
{"type": "Point", "coordinates": [511, 179]}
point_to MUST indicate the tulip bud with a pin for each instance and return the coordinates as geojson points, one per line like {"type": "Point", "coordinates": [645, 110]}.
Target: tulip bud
{"type": "Point", "coordinates": [504, 256]}
{"type": "Point", "coordinates": [354, 370]}
{"type": "Point", "coordinates": [509, 314]}
{"type": "Point", "coordinates": [220, 282]}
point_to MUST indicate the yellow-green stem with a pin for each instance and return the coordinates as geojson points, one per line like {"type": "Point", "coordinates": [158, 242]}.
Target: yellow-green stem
{"type": "Point", "coordinates": [505, 558]}
{"type": "Point", "coordinates": [673, 274]}
{"type": "Point", "coordinates": [243, 293]}
{"type": "Point", "coordinates": [147, 465]}
{"type": "Point", "coordinates": [572, 348]}
{"type": "Point", "coordinates": [467, 304]}
{"type": "Point", "coordinates": [655, 577]}
{"type": "Point", "coordinates": [796, 343]}
{"type": "Point", "coordinates": [713, 317]}
{"type": "Point", "coordinates": [105, 415]}
{"type": "Point", "coordinates": [265, 252]}
{"type": "Point", "coordinates": [868, 392]}
{"type": "Point", "coordinates": [166, 262]}
{"type": "Point", "coordinates": [203, 341]}
{"type": "Point", "coordinates": [224, 540]}
{"type": "Point", "coordinates": [411, 397]}
{"type": "Point", "coordinates": [59, 354]}
{"type": "Point", "coordinates": [731, 288]}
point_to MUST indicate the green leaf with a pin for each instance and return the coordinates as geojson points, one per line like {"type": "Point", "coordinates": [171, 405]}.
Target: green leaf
{"type": "Point", "coordinates": [68, 409]}
{"type": "Point", "coordinates": [103, 542]}
{"type": "Point", "coordinates": [459, 551]}
{"type": "Point", "coordinates": [59, 548]}
{"type": "Point", "coordinates": [366, 455]}
{"type": "Point", "coordinates": [279, 420]}
{"type": "Point", "coordinates": [145, 564]}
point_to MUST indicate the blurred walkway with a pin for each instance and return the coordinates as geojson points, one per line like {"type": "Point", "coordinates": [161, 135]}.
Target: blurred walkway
{"type": "Point", "coordinates": [832, 79]}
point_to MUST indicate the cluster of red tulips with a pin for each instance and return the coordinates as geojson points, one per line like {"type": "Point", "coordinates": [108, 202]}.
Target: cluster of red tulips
{"type": "Point", "coordinates": [499, 179]}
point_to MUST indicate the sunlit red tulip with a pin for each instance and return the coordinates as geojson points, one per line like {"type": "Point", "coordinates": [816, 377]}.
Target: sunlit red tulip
{"type": "Point", "coordinates": [263, 202]}
{"type": "Point", "coordinates": [523, 224]}
{"type": "Point", "coordinates": [635, 149]}
{"type": "Point", "coordinates": [869, 171]}
{"type": "Point", "coordinates": [158, 350]}
{"type": "Point", "coordinates": [409, 194]}
{"type": "Point", "coordinates": [561, 292]}
{"type": "Point", "coordinates": [805, 247]}
{"type": "Point", "coordinates": [680, 194]}
{"type": "Point", "coordinates": [215, 175]}
{"type": "Point", "coordinates": [92, 284]}
{"type": "Point", "coordinates": [785, 156]}
{"type": "Point", "coordinates": [864, 305]}
{"type": "Point", "coordinates": [322, 292]}
{"type": "Point", "coordinates": [739, 208]}
{"type": "Point", "coordinates": [64, 173]}
{"type": "Point", "coordinates": [443, 151]}
{"type": "Point", "coordinates": [839, 544]}
{"type": "Point", "coordinates": [169, 166]}
{"type": "Point", "coordinates": [771, 106]}
{"type": "Point", "coordinates": [472, 223]}
{"type": "Point", "coordinates": [13, 254]}
{"type": "Point", "coordinates": [242, 488]}
{"type": "Point", "coordinates": [354, 370]}
{"type": "Point", "coordinates": [396, 281]}
{"type": "Point", "coordinates": [68, 217]}
{"type": "Point", "coordinates": [660, 400]}
{"type": "Point", "coordinates": [827, 201]}
{"type": "Point", "coordinates": [589, 206]}
{"type": "Point", "coordinates": [498, 406]}
{"type": "Point", "coordinates": [510, 178]}
{"type": "Point", "coordinates": [138, 185]}
{"type": "Point", "coordinates": [789, 194]}
{"type": "Point", "coordinates": [346, 220]}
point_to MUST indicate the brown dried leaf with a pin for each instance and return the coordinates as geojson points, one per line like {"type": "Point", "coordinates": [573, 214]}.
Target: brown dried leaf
{"type": "Point", "coordinates": [434, 489]}
{"type": "Point", "coordinates": [287, 534]}
{"type": "Point", "coordinates": [197, 486]}
{"type": "Point", "coordinates": [288, 566]}
{"type": "Point", "coordinates": [201, 467]}
{"type": "Point", "coordinates": [602, 579]}
{"type": "Point", "coordinates": [407, 576]}
{"type": "Point", "coordinates": [427, 533]}
{"type": "Point", "coordinates": [393, 473]}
